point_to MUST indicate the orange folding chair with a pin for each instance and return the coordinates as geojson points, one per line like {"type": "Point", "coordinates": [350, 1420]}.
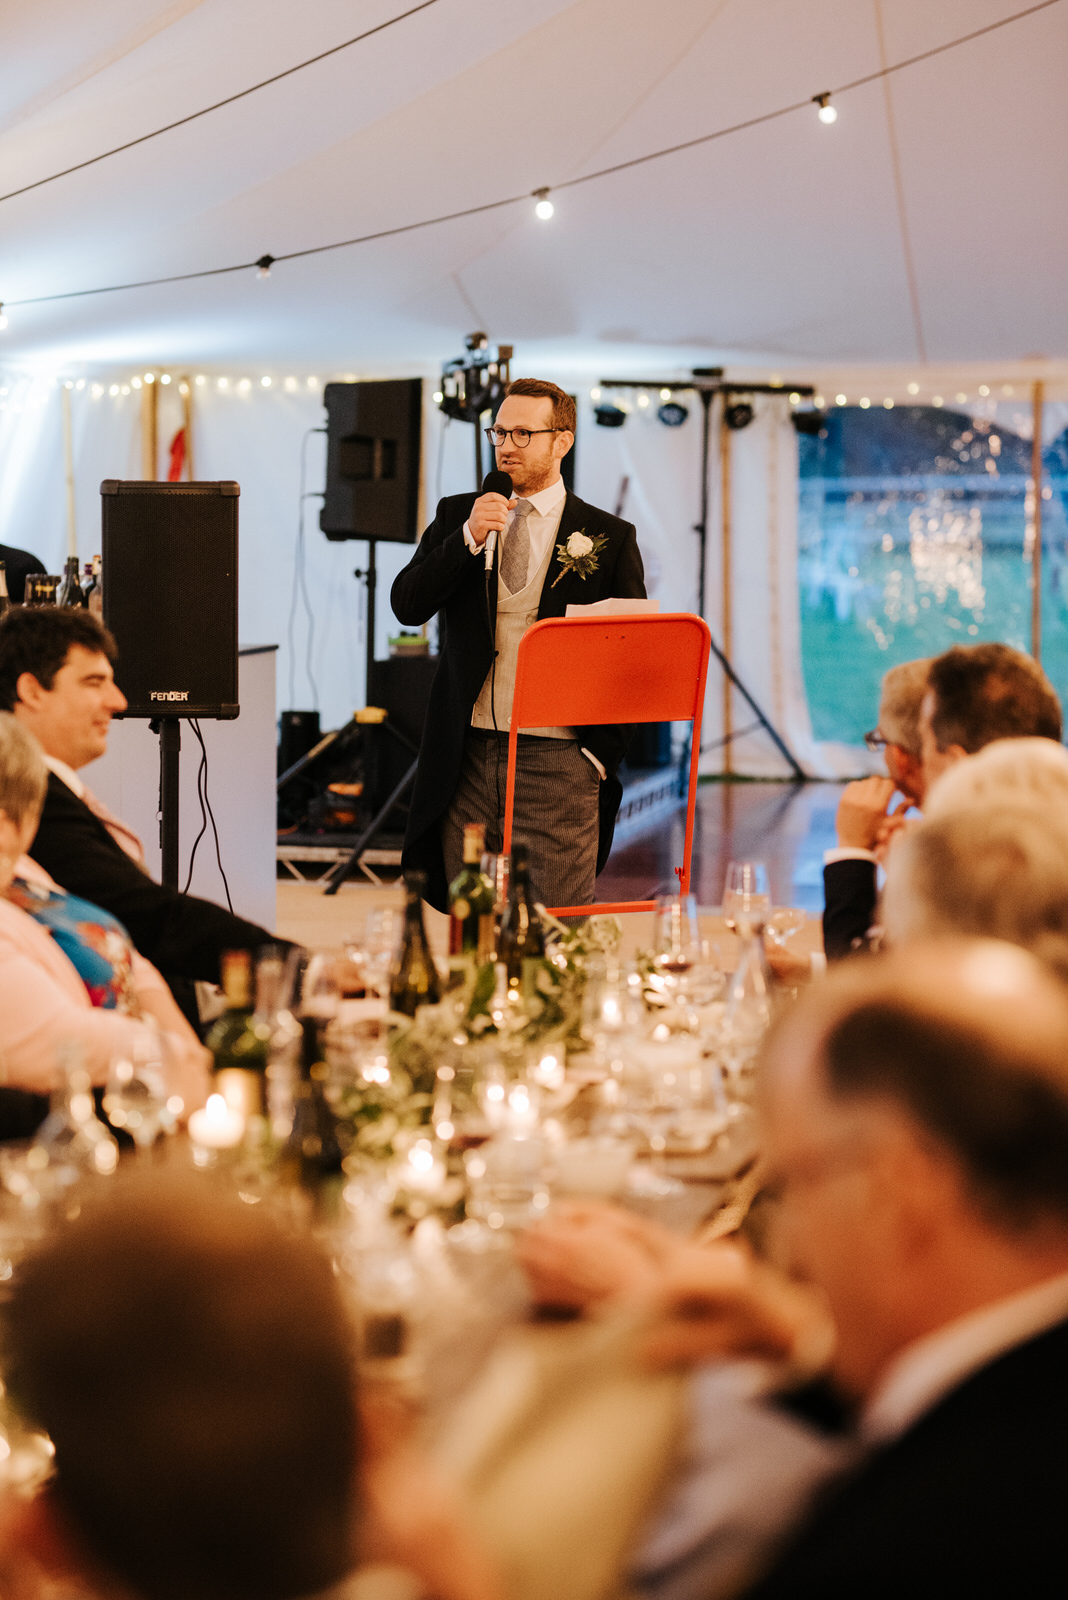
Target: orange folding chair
{"type": "Point", "coordinates": [582, 670]}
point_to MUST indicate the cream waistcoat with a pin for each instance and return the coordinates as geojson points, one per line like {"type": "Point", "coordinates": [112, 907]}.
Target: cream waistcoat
{"type": "Point", "coordinates": [515, 614]}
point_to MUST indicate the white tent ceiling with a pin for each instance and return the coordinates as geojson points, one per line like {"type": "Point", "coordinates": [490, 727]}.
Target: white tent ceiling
{"type": "Point", "coordinates": [781, 245]}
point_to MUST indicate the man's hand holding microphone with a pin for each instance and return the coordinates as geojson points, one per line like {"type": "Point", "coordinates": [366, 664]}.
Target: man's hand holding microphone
{"type": "Point", "coordinates": [489, 514]}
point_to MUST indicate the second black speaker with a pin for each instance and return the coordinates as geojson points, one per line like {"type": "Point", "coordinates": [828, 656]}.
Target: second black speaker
{"type": "Point", "coordinates": [372, 460]}
{"type": "Point", "coordinates": [170, 595]}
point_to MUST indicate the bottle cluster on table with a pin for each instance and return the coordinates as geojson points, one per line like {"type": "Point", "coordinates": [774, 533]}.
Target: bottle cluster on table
{"type": "Point", "coordinates": [67, 589]}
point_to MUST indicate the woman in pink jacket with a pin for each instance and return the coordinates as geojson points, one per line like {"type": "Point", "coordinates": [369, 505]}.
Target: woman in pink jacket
{"type": "Point", "coordinates": [68, 971]}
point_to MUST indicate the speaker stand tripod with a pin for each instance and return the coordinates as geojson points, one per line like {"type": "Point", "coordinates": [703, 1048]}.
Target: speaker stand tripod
{"type": "Point", "coordinates": [170, 744]}
{"type": "Point", "coordinates": [338, 874]}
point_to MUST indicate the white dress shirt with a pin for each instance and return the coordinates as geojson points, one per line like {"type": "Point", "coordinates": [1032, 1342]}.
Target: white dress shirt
{"type": "Point", "coordinates": [928, 1370]}
{"type": "Point", "coordinates": [543, 523]}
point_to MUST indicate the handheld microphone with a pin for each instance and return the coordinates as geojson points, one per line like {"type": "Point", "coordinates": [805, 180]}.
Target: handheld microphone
{"type": "Point", "coordinates": [495, 483]}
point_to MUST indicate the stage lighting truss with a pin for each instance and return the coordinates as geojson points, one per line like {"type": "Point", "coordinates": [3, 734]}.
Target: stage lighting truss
{"type": "Point", "coordinates": [475, 382]}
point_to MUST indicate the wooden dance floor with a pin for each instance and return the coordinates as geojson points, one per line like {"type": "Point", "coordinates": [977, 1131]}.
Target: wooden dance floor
{"type": "Point", "coordinates": [786, 825]}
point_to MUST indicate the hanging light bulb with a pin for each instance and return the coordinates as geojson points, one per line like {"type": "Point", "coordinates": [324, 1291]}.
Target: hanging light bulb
{"type": "Point", "coordinates": [3, 318]}
{"type": "Point", "coordinates": [263, 266]}
{"type": "Point", "coordinates": [544, 208]}
{"type": "Point", "coordinates": [826, 112]}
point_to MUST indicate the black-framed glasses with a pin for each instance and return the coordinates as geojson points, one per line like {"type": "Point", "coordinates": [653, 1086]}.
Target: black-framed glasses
{"type": "Point", "coordinates": [875, 740]}
{"type": "Point", "coordinates": [520, 437]}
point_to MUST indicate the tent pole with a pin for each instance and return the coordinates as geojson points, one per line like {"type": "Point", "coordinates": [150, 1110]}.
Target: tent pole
{"type": "Point", "coordinates": [727, 619]}
{"type": "Point", "coordinates": [1037, 397]}
{"type": "Point", "coordinates": [149, 434]}
{"type": "Point", "coordinates": [68, 468]}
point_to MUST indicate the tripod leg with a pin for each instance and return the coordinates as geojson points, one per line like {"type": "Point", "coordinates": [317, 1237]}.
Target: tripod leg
{"type": "Point", "coordinates": [339, 873]}
{"type": "Point", "coordinates": [799, 772]}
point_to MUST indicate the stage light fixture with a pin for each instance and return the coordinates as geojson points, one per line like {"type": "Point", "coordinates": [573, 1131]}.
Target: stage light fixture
{"type": "Point", "coordinates": [544, 208]}
{"type": "Point", "coordinates": [672, 414]}
{"type": "Point", "coordinates": [610, 416]}
{"type": "Point", "coordinates": [810, 423]}
{"type": "Point", "coordinates": [826, 112]}
{"type": "Point", "coordinates": [738, 415]}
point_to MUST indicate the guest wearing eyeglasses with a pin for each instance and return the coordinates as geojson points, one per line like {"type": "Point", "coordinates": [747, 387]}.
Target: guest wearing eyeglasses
{"type": "Point", "coordinates": [492, 567]}
{"type": "Point", "coordinates": [936, 713]}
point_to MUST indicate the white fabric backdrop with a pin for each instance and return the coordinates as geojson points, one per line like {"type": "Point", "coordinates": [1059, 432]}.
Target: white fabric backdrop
{"type": "Point", "coordinates": [257, 436]}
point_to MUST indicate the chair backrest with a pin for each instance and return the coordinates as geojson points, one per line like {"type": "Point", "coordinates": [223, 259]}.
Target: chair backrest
{"type": "Point", "coordinates": [587, 670]}
{"type": "Point", "coordinates": [611, 669]}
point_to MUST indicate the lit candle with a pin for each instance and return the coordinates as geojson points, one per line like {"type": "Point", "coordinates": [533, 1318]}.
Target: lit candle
{"type": "Point", "coordinates": [549, 1071]}
{"type": "Point", "coordinates": [216, 1127]}
{"type": "Point", "coordinates": [424, 1171]}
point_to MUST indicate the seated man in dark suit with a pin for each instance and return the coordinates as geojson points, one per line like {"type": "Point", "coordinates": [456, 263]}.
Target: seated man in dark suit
{"type": "Point", "coordinates": [19, 565]}
{"type": "Point", "coordinates": [917, 1129]}
{"type": "Point", "coordinates": [56, 677]}
{"type": "Point", "coordinates": [849, 891]}
{"type": "Point", "coordinates": [974, 694]}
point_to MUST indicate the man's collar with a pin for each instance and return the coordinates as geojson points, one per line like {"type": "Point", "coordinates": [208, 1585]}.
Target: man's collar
{"type": "Point", "coordinates": [66, 774]}
{"type": "Point", "coordinates": [547, 500]}
{"type": "Point", "coordinates": [929, 1369]}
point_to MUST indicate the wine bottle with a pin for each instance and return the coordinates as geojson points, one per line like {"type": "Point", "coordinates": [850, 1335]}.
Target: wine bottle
{"type": "Point", "coordinates": [71, 592]}
{"type": "Point", "coordinates": [471, 902]}
{"type": "Point", "coordinates": [521, 945]}
{"type": "Point", "coordinates": [94, 593]}
{"type": "Point", "coordinates": [239, 1041]}
{"type": "Point", "coordinates": [311, 1156]}
{"type": "Point", "coordinates": [5, 598]}
{"type": "Point", "coordinates": [414, 979]}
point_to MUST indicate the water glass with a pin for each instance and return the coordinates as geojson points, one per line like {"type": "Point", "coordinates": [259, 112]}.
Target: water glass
{"type": "Point", "coordinates": [746, 900]}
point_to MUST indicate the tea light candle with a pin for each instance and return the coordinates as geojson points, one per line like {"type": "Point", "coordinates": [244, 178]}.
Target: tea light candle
{"type": "Point", "coordinates": [216, 1127]}
{"type": "Point", "coordinates": [423, 1171]}
{"type": "Point", "coordinates": [548, 1071]}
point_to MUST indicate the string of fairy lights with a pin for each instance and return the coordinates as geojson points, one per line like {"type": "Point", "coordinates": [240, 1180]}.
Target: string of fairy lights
{"type": "Point", "coordinates": [544, 207]}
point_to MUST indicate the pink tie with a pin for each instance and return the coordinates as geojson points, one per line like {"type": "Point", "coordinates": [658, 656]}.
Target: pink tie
{"type": "Point", "coordinates": [122, 835]}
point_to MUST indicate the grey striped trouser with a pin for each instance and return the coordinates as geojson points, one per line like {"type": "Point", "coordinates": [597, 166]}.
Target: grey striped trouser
{"type": "Point", "coordinates": [555, 814]}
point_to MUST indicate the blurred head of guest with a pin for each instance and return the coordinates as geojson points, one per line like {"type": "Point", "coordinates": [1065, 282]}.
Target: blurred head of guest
{"type": "Point", "coordinates": [992, 871]}
{"type": "Point", "coordinates": [193, 1366]}
{"type": "Point", "coordinates": [56, 676]}
{"type": "Point", "coordinates": [982, 692]}
{"type": "Point", "coordinates": [1008, 772]}
{"type": "Point", "coordinates": [23, 780]}
{"type": "Point", "coordinates": [900, 699]}
{"type": "Point", "coordinates": [917, 1122]}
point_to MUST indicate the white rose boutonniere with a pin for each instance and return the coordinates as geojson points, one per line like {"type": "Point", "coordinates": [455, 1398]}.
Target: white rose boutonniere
{"type": "Point", "coordinates": [578, 554]}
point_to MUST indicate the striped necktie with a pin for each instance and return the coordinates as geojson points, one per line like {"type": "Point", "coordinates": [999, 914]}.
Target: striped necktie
{"type": "Point", "coordinates": [515, 557]}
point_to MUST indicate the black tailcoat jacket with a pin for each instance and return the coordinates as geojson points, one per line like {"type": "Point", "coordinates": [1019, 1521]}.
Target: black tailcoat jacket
{"type": "Point", "coordinates": [445, 576]}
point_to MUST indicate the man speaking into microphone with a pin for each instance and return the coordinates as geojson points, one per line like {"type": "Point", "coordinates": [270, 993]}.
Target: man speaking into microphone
{"type": "Point", "coordinates": [495, 563]}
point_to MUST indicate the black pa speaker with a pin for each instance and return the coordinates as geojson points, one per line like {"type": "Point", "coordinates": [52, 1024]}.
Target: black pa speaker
{"type": "Point", "coordinates": [170, 595]}
{"type": "Point", "coordinates": [373, 440]}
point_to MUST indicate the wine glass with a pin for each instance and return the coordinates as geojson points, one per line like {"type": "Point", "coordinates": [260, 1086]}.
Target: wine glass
{"type": "Point", "coordinates": [746, 900]}
{"type": "Point", "coordinates": [381, 936]}
{"type": "Point", "coordinates": [677, 941]}
{"type": "Point", "coordinates": [783, 923]}
{"type": "Point", "coordinates": [135, 1096]}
